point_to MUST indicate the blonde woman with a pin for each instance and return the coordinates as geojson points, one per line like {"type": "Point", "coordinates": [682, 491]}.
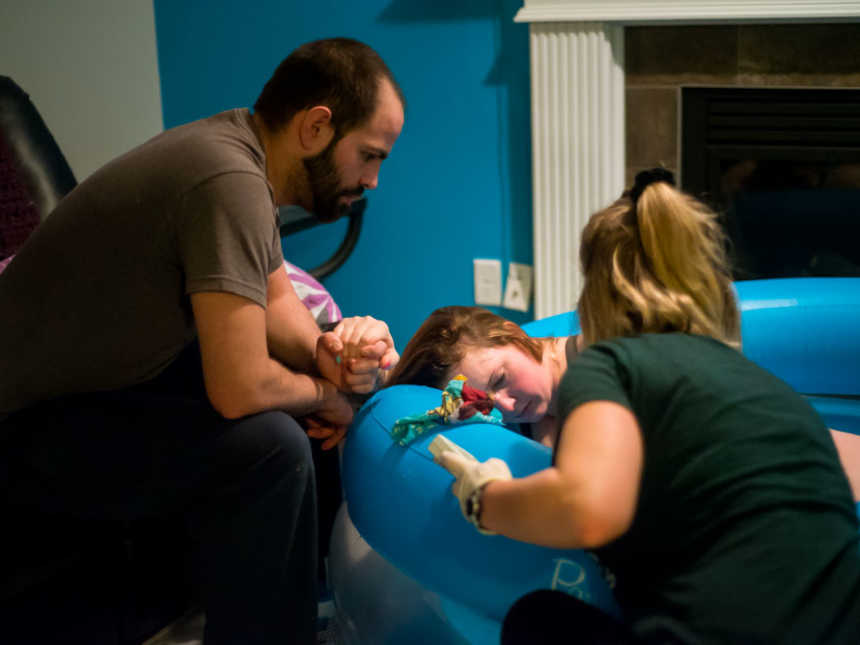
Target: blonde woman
{"type": "Point", "coordinates": [708, 486]}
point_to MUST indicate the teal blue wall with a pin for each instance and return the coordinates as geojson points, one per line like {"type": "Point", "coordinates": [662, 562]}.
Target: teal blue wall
{"type": "Point", "coordinates": [458, 184]}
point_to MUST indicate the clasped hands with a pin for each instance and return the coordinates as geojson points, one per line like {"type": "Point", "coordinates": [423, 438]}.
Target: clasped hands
{"type": "Point", "coordinates": [356, 354]}
{"type": "Point", "coordinates": [356, 357]}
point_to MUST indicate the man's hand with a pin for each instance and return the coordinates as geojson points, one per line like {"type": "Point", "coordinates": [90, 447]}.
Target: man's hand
{"type": "Point", "coordinates": [331, 421]}
{"type": "Point", "coordinates": [357, 354]}
{"type": "Point", "coordinates": [331, 435]}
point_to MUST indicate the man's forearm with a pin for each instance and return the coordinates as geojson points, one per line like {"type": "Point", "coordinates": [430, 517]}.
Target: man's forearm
{"type": "Point", "coordinates": [291, 331]}
{"type": "Point", "coordinates": [294, 345]}
{"type": "Point", "coordinates": [277, 388]}
{"type": "Point", "coordinates": [298, 356]}
{"type": "Point", "coordinates": [240, 373]}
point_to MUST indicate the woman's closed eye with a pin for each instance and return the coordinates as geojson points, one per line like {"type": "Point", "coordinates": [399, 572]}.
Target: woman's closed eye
{"type": "Point", "coordinates": [497, 382]}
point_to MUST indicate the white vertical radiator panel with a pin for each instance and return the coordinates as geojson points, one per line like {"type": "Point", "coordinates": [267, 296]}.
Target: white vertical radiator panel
{"type": "Point", "coordinates": [577, 77]}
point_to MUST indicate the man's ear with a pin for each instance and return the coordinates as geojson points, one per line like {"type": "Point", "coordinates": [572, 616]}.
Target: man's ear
{"type": "Point", "coordinates": [315, 129]}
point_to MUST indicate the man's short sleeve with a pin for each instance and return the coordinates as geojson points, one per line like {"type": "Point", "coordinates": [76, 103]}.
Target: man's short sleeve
{"type": "Point", "coordinates": [277, 255]}
{"type": "Point", "coordinates": [226, 233]}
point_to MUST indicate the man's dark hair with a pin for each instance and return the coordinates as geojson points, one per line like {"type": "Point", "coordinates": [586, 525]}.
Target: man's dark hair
{"type": "Point", "coordinates": [341, 73]}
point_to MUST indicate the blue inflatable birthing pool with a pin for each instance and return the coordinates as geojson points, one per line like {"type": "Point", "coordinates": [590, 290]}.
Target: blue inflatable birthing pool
{"type": "Point", "coordinates": [405, 567]}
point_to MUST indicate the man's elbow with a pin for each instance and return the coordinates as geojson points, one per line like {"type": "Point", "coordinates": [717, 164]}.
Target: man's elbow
{"type": "Point", "coordinates": [228, 409]}
{"type": "Point", "coordinates": [231, 402]}
{"type": "Point", "coordinates": [230, 412]}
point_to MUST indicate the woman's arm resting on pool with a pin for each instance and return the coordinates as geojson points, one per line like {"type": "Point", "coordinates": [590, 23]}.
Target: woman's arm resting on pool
{"type": "Point", "coordinates": [848, 446]}
{"type": "Point", "coordinates": [588, 498]}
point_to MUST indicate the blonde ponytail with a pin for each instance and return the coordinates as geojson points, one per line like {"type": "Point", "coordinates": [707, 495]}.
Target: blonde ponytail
{"type": "Point", "coordinates": [655, 265]}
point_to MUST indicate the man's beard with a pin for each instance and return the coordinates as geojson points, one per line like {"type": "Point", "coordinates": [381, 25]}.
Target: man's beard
{"type": "Point", "coordinates": [325, 184]}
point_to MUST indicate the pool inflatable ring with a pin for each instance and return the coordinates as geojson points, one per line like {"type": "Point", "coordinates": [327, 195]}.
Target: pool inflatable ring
{"type": "Point", "coordinates": [461, 583]}
{"type": "Point", "coordinates": [804, 330]}
{"type": "Point", "coordinates": [401, 504]}
{"type": "Point", "coordinates": [377, 604]}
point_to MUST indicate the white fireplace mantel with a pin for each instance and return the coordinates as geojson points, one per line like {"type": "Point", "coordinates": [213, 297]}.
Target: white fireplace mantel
{"type": "Point", "coordinates": [577, 95]}
{"type": "Point", "coordinates": [654, 11]}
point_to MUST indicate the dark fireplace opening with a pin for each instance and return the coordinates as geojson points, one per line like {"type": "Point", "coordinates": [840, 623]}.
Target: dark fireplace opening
{"type": "Point", "coordinates": [782, 167]}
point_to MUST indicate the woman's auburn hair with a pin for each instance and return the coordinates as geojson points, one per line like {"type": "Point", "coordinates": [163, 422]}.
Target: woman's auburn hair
{"type": "Point", "coordinates": [443, 339]}
{"type": "Point", "coordinates": [656, 266]}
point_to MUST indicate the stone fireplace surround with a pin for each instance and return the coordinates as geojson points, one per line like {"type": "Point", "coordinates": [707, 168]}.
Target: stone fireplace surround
{"type": "Point", "coordinates": [605, 86]}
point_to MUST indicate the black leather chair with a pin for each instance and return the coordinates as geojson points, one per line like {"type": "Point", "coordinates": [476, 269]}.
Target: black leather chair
{"type": "Point", "coordinates": [294, 219]}
{"type": "Point", "coordinates": [65, 582]}
{"type": "Point", "coordinates": [40, 162]}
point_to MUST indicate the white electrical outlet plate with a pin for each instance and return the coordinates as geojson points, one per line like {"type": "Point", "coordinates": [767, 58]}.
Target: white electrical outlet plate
{"type": "Point", "coordinates": [488, 282]}
{"type": "Point", "coordinates": [518, 290]}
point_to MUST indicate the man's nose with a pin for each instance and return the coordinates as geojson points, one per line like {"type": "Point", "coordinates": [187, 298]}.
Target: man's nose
{"type": "Point", "coordinates": [370, 180]}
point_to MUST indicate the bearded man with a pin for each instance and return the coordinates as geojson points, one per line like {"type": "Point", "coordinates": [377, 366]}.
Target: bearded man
{"type": "Point", "coordinates": [156, 357]}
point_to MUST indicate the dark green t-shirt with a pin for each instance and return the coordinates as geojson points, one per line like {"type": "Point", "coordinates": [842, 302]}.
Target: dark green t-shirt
{"type": "Point", "coordinates": [745, 530]}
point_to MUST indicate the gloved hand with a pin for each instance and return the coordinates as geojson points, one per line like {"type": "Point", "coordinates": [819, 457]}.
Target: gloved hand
{"type": "Point", "coordinates": [471, 476]}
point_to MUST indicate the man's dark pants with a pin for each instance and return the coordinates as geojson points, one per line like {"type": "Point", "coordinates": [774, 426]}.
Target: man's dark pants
{"type": "Point", "coordinates": [242, 490]}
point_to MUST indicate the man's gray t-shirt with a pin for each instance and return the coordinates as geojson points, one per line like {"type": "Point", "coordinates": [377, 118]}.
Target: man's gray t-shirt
{"type": "Point", "coordinates": [98, 298]}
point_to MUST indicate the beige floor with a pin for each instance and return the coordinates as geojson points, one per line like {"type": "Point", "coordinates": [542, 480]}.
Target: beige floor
{"type": "Point", "coordinates": [186, 630]}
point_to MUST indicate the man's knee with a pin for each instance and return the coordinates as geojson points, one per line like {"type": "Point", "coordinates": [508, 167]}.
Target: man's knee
{"type": "Point", "coordinates": [280, 438]}
{"type": "Point", "coordinates": [262, 460]}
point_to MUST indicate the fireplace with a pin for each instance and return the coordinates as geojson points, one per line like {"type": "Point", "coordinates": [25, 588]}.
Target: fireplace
{"type": "Point", "coordinates": [782, 167]}
{"type": "Point", "coordinates": [606, 84]}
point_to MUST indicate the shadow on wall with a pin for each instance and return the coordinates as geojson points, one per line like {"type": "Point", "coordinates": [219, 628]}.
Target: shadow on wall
{"type": "Point", "coordinates": [510, 73]}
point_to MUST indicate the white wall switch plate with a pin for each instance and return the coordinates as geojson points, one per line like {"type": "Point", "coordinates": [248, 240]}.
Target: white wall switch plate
{"type": "Point", "coordinates": [488, 282]}
{"type": "Point", "coordinates": [518, 290]}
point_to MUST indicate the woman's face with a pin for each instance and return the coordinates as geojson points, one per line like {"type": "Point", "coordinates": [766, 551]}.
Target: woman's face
{"type": "Point", "coordinates": [522, 388]}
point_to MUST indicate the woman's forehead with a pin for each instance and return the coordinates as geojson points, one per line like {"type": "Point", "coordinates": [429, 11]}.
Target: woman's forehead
{"type": "Point", "coordinates": [481, 360]}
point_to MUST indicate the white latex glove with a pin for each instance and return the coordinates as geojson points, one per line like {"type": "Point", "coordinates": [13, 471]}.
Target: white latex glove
{"type": "Point", "coordinates": [471, 475]}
